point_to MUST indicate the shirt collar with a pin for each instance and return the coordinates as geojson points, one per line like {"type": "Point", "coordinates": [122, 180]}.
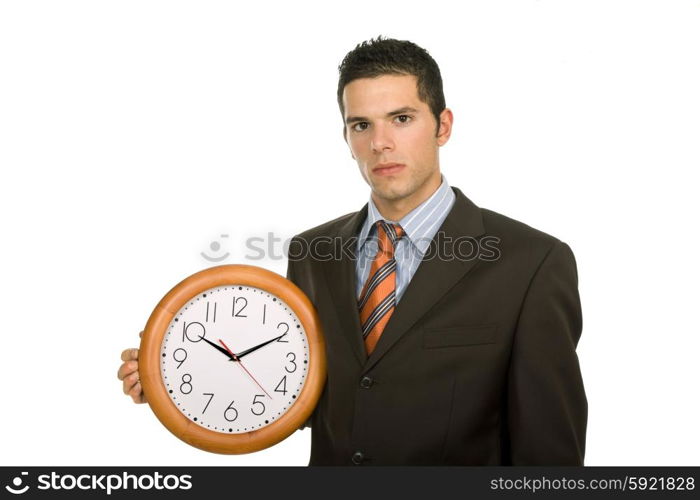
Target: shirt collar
{"type": "Point", "coordinates": [415, 223]}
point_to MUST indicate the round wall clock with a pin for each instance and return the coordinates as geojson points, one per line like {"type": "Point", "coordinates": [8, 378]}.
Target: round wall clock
{"type": "Point", "coordinates": [232, 359]}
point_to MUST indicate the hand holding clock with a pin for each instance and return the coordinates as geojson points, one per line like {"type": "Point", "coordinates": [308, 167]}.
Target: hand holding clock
{"type": "Point", "coordinates": [203, 401]}
{"type": "Point", "coordinates": [128, 373]}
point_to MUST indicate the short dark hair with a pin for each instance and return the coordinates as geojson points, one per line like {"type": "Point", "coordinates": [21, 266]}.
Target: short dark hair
{"type": "Point", "coordinates": [387, 56]}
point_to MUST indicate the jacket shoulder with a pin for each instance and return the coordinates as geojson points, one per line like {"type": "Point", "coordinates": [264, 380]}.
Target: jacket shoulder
{"type": "Point", "coordinates": [518, 239]}
{"type": "Point", "coordinates": [506, 227]}
{"type": "Point", "coordinates": [523, 249]}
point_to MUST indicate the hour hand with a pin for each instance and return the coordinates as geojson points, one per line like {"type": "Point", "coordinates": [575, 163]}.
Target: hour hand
{"type": "Point", "coordinates": [217, 347]}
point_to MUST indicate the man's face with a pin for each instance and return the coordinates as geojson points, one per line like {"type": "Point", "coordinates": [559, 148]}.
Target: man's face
{"type": "Point", "coordinates": [392, 136]}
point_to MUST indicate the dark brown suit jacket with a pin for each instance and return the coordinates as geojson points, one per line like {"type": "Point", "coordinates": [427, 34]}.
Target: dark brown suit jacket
{"type": "Point", "coordinates": [477, 365]}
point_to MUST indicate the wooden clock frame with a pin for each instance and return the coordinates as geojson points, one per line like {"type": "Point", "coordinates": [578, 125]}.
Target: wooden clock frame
{"type": "Point", "coordinates": [150, 353]}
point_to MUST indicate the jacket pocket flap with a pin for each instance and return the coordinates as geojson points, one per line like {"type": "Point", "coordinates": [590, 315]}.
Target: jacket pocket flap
{"type": "Point", "coordinates": [459, 336]}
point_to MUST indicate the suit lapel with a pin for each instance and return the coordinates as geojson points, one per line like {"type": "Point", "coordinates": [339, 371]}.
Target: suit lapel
{"type": "Point", "coordinates": [341, 281]}
{"type": "Point", "coordinates": [434, 276]}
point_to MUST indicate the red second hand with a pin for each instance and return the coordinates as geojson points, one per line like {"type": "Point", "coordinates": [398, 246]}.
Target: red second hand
{"type": "Point", "coordinates": [241, 363]}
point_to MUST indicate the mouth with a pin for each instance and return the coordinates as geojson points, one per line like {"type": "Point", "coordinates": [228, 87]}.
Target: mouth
{"type": "Point", "coordinates": [387, 168]}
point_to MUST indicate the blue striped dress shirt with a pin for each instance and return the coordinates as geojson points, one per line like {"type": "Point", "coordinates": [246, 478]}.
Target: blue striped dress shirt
{"type": "Point", "coordinates": [420, 224]}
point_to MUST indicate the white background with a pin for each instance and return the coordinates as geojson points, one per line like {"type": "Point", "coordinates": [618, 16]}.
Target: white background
{"type": "Point", "coordinates": [133, 134]}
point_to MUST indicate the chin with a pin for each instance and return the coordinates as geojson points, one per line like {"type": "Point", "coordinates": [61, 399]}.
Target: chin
{"type": "Point", "coordinates": [392, 193]}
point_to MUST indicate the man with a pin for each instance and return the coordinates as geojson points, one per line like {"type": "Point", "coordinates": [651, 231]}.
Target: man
{"type": "Point", "coordinates": [438, 352]}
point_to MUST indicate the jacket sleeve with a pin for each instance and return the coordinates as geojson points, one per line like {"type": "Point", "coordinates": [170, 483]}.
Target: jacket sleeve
{"type": "Point", "coordinates": [292, 277]}
{"type": "Point", "coordinates": [547, 406]}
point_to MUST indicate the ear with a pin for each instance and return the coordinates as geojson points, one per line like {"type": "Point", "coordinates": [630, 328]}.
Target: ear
{"type": "Point", "coordinates": [445, 128]}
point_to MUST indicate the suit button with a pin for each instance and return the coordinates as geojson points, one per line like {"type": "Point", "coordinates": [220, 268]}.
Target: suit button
{"type": "Point", "coordinates": [357, 458]}
{"type": "Point", "coordinates": [366, 382]}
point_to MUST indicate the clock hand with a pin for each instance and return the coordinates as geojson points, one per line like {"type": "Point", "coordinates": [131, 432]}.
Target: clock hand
{"type": "Point", "coordinates": [217, 347]}
{"type": "Point", "coordinates": [240, 363]}
{"type": "Point", "coordinates": [255, 348]}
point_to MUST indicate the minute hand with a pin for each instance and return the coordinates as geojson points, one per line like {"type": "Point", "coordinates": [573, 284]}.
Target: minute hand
{"type": "Point", "coordinates": [248, 351]}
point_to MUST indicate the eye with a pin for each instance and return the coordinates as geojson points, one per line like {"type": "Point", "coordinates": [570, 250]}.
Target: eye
{"type": "Point", "coordinates": [404, 118]}
{"type": "Point", "coordinates": [360, 126]}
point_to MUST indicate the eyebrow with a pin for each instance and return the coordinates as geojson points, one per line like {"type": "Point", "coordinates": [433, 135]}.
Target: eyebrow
{"type": "Point", "coordinates": [400, 111]}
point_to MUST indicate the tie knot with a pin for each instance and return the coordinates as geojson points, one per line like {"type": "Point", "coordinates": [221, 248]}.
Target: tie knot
{"type": "Point", "coordinates": [390, 233]}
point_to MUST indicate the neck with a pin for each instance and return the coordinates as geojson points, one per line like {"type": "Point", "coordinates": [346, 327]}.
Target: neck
{"type": "Point", "coordinates": [395, 210]}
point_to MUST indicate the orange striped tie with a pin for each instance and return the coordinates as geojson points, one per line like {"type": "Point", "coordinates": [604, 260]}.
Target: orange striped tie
{"type": "Point", "coordinates": [378, 297]}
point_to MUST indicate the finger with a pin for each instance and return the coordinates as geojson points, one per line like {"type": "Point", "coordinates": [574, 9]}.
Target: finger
{"type": "Point", "coordinates": [127, 368]}
{"type": "Point", "coordinates": [129, 354]}
{"type": "Point", "coordinates": [142, 399]}
{"type": "Point", "coordinates": [137, 394]}
{"type": "Point", "coordinates": [130, 381]}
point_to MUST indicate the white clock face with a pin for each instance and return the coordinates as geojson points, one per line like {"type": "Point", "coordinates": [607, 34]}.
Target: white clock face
{"type": "Point", "coordinates": [234, 359]}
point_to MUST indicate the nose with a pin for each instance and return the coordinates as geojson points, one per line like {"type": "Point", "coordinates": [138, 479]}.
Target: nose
{"type": "Point", "coordinates": [381, 139]}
